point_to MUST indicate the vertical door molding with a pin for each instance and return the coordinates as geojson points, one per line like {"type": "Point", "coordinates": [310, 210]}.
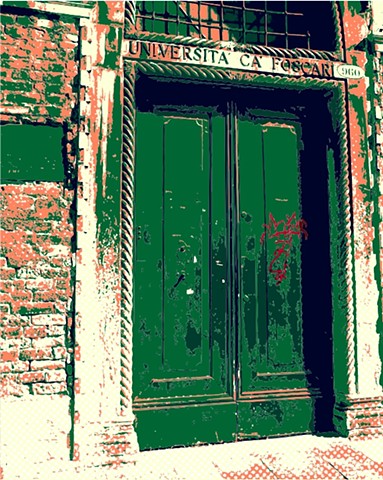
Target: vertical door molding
{"type": "Point", "coordinates": [127, 199]}
{"type": "Point", "coordinates": [130, 17]}
{"type": "Point", "coordinates": [341, 235]}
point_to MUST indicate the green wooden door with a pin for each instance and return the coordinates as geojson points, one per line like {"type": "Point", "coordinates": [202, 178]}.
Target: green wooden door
{"type": "Point", "coordinates": [273, 395]}
{"type": "Point", "coordinates": [182, 356]}
{"type": "Point", "coordinates": [217, 316]}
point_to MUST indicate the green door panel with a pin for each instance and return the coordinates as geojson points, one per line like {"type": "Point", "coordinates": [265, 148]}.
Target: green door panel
{"type": "Point", "coordinates": [282, 202]}
{"type": "Point", "coordinates": [180, 323]}
{"type": "Point", "coordinates": [180, 426]}
{"type": "Point", "coordinates": [186, 248]}
{"type": "Point", "coordinates": [270, 340]}
{"type": "Point", "coordinates": [253, 267]}
{"type": "Point", "coordinates": [274, 416]}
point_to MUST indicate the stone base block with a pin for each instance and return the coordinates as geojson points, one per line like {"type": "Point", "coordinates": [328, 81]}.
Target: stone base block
{"type": "Point", "coordinates": [359, 417]}
{"type": "Point", "coordinates": [101, 444]}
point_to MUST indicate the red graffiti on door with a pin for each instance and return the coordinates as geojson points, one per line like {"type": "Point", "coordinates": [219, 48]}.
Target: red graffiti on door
{"type": "Point", "coordinates": [283, 232]}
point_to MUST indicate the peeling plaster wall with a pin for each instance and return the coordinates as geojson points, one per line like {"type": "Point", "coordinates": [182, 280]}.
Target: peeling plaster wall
{"type": "Point", "coordinates": [97, 403]}
{"type": "Point", "coordinates": [72, 77]}
{"type": "Point", "coordinates": [38, 91]}
{"type": "Point", "coordinates": [357, 25]}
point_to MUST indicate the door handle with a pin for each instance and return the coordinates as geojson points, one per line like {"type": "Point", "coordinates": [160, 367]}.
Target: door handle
{"type": "Point", "coordinates": [181, 277]}
{"type": "Point", "coordinates": [246, 216]}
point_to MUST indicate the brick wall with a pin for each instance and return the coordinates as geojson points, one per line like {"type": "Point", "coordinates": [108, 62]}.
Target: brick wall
{"type": "Point", "coordinates": [38, 78]}
{"type": "Point", "coordinates": [38, 67]}
{"type": "Point", "coordinates": [36, 288]}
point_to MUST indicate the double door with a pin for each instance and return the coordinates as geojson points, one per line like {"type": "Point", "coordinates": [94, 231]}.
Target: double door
{"type": "Point", "coordinates": [217, 316]}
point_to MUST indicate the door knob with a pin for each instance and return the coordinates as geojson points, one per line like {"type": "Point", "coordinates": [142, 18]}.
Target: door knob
{"type": "Point", "coordinates": [246, 216]}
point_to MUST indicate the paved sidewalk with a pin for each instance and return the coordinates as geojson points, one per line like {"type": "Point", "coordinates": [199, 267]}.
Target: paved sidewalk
{"type": "Point", "coordinates": [300, 457]}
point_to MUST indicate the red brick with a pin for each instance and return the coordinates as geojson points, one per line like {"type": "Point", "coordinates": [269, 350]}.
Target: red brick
{"type": "Point", "coordinates": [11, 356]}
{"type": "Point", "coordinates": [77, 353]}
{"type": "Point", "coordinates": [47, 365]}
{"type": "Point", "coordinates": [34, 214]}
{"type": "Point", "coordinates": [116, 449]}
{"type": "Point", "coordinates": [44, 23]}
{"type": "Point", "coordinates": [47, 204]}
{"type": "Point", "coordinates": [36, 75]}
{"type": "Point", "coordinates": [46, 272]}
{"type": "Point", "coordinates": [19, 205]}
{"type": "Point", "coordinates": [48, 342]}
{"type": "Point", "coordinates": [49, 388]}
{"type": "Point", "coordinates": [117, 438]}
{"type": "Point", "coordinates": [41, 226]}
{"type": "Point", "coordinates": [55, 330]}
{"type": "Point", "coordinates": [7, 273]}
{"type": "Point", "coordinates": [6, 118]}
{"type": "Point", "coordinates": [61, 307]}
{"type": "Point", "coordinates": [54, 375]}
{"type": "Point", "coordinates": [7, 367]}
{"type": "Point", "coordinates": [63, 284]}
{"type": "Point", "coordinates": [4, 309]}
{"type": "Point", "coordinates": [40, 34]}
{"type": "Point", "coordinates": [76, 452]}
{"type": "Point", "coordinates": [77, 386]}
{"type": "Point", "coordinates": [34, 354]}
{"type": "Point", "coordinates": [9, 286]}
{"type": "Point", "coordinates": [35, 307]}
{"type": "Point", "coordinates": [35, 332]}
{"type": "Point", "coordinates": [48, 319]}
{"type": "Point", "coordinates": [15, 344]}
{"type": "Point", "coordinates": [12, 332]}
{"type": "Point", "coordinates": [22, 255]}
{"type": "Point", "coordinates": [39, 284]}
{"type": "Point", "coordinates": [59, 352]}
{"type": "Point", "coordinates": [20, 296]}
{"type": "Point", "coordinates": [31, 377]}
{"type": "Point", "coordinates": [15, 320]}
{"type": "Point", "coordinates": [5, 298]}
{"type": "Point", "coordinates": [45, 296]}
{"type": "Point", "coordinates": [368, 421]}
{"type": "Point", "coordinates": [10, 385]}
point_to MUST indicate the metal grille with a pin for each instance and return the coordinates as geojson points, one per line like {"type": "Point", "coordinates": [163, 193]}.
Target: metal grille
{"type": "Point", "coordinates": [286, 24]}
